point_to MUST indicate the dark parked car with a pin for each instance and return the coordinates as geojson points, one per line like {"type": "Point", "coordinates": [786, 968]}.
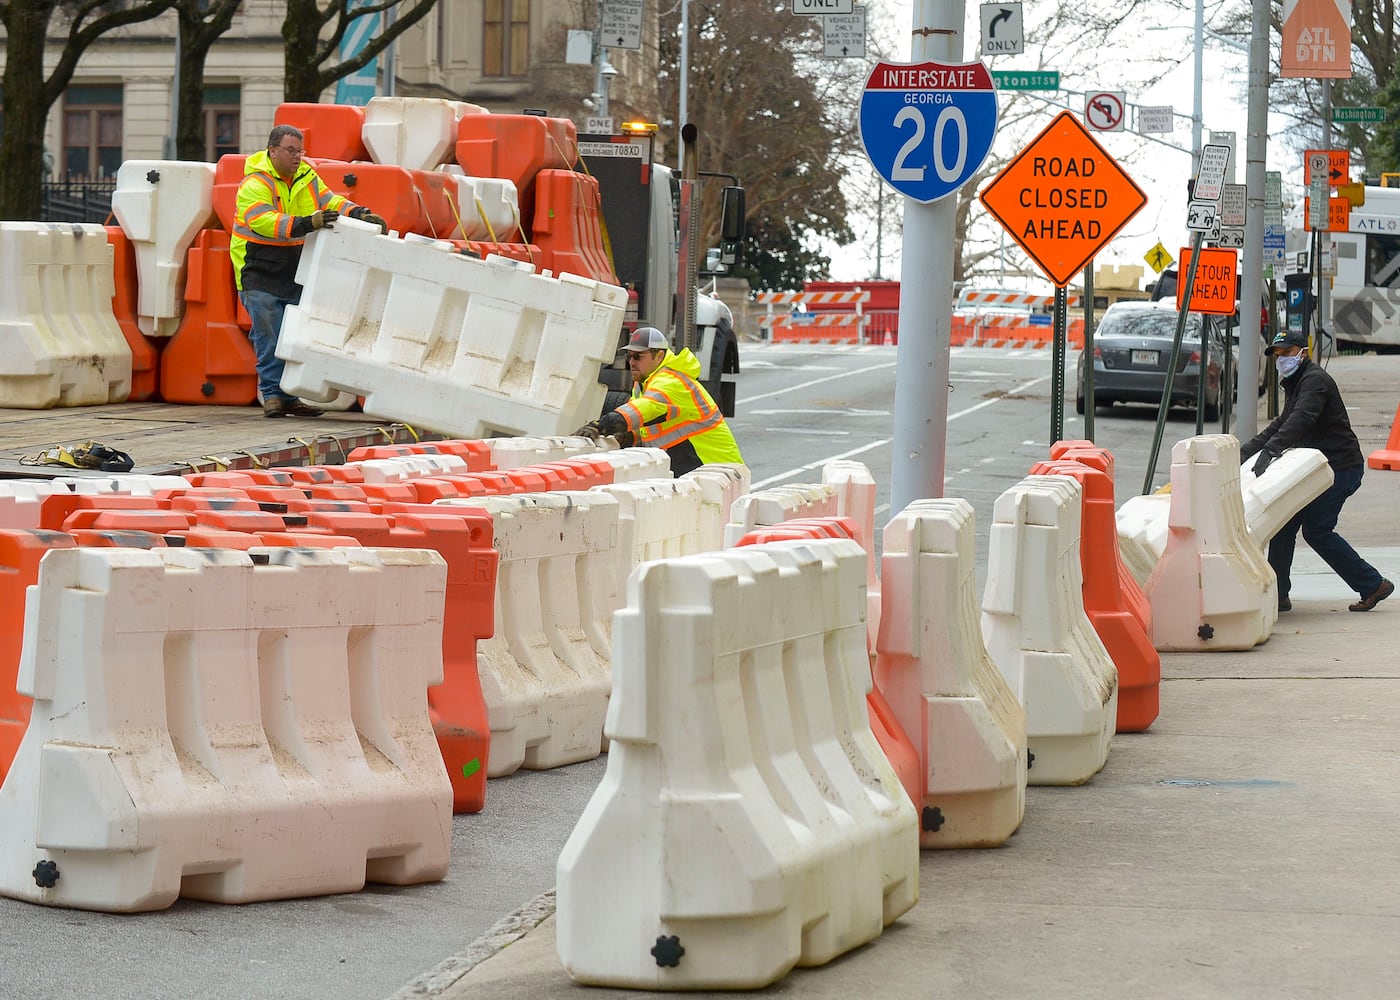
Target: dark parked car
{"type": "Point", "coordinates": [1132, 346]}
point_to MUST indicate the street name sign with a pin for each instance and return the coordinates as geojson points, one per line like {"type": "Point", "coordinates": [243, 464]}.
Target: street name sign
{"type": "Point", "coordinates": [927, 127]}
{"type": "Point", "coordinates": [1062, 198]}
{"type": "Point", "coordinates": [1213, 291]}
{"type": "Point", "coordinates": [620, 24]}
{"type": "Point", "coordinates": [1003, 32]}
{"type": "Point", "coordinates": [1041, 79]}
{"type": "Point", "coordinates": [1368, 116]}
{"type": "Point", "coordinates": [843, 35]}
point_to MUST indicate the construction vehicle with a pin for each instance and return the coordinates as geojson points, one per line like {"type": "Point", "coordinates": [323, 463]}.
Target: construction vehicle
{"type": "Point", "coordinates": [656, 254]}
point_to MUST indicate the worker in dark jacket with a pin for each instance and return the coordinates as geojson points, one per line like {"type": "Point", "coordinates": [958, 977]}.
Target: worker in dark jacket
{"type": "Point", "coordinates": [1314, 416]}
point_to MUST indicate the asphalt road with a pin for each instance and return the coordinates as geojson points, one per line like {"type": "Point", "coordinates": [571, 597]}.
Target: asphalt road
{"type": "Point", "coordinates": [800, 407]}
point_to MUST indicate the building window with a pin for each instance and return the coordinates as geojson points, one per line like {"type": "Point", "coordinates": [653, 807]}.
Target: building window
{"type": "Point", "coordinates": [221, 122]}
{"type": "Point", "coordinates": [92, 132]}
{"type": "Point", "coordinates": [506, 38]}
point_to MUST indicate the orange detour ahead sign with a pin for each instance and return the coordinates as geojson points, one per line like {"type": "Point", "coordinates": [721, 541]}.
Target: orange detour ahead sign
{"type": "Point", "coordinates": [1213, 291]}
{"type": "Point", "coordinates": [1062, 198]}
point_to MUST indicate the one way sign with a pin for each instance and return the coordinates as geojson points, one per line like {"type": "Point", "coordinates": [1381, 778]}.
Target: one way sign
{"type": "Point", "coordinates": [1003, 33]}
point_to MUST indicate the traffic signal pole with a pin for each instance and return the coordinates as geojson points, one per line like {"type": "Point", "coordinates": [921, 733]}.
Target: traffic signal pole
{"type": "Point", "coordinates": [925, 300]}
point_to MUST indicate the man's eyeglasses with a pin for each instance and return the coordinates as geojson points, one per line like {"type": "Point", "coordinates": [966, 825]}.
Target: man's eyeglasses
{"type": "Point", "coordinates": [294, 150]}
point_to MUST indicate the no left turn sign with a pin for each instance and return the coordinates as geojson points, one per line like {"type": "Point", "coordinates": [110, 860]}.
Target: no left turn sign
{"type": "Point", "coordinates": [1104, 110]}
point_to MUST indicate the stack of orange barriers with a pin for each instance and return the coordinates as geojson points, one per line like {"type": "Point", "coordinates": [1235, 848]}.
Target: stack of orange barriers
{"type": "Point", "coordinates": [209, 359]}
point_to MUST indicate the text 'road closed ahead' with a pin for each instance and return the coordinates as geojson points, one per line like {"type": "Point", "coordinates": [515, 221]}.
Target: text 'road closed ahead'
{"type": "Point", "coordinates": [1062, 198]}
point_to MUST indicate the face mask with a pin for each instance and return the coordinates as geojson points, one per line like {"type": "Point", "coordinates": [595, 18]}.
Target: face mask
{"type": "Point", "coordinates": [1287, 365]}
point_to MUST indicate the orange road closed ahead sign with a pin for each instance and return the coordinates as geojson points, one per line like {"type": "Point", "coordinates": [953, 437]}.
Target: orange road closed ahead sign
{"type": "Point", "coordinates": [1213, 291]}
{"type": "Point", "coordinates": [1062, 198]}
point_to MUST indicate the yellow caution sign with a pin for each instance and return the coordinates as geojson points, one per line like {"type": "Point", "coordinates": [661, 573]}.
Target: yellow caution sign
{"type": "Point", "coordinates": [1159, 258]}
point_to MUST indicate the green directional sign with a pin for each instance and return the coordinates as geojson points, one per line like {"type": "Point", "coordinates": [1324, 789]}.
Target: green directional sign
{"type": "Point", "coordinates": [1366, 115]}
{"type": "Point", "coordinates": [1045, 79]}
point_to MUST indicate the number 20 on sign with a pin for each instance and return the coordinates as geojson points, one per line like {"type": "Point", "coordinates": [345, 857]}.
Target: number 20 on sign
{"type": "Point", "coordinates": [927, 127]}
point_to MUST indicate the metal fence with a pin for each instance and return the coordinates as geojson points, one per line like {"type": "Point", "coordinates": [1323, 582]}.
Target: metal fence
{"type": "Point", "coordinates": [76, 201]}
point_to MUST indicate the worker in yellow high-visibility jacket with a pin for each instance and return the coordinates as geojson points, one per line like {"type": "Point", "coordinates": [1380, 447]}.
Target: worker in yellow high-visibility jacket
{"type": "Point", "coordinates": [669, 408]}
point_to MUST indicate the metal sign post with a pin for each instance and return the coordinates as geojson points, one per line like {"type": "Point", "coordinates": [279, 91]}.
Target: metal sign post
{"type": "Point", "coordinates": [1181, 317]}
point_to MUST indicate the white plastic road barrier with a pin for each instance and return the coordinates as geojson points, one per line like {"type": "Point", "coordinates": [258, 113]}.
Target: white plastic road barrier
{"type": "Point", "coordinates": [414, 132]}
{"type": "Point", "coordinates": [855, 498]}
{"type": "Point", "coordinates": [632, 464]}
{"type": "Point", "coordinates": [1291, 482]}
{"type": "Point", "coordinates": [1142, 532]}
{"type": "Point", "coordinates": [136, 483]}
{"type": "Point", "coordinates": [775, 505]}
{"type": "Point", "coordinates": [516, 453]}
{"type": "Point", "coordinates": [1212, 588]}
{"type": "Point", "coordinates": [162, 205]}
{"type": "Point", "coordinates": [720, 486]}
{"type": "Point", "coordinates": [488, 208]}
{"type": "Point", "coordinates": [59, 340]}
{"type": "Point", "coordinates": [748, 821]}
{"type": "Point", "coordinates": [545, 673]}
{"type": "Point", "coordinates": [933, 669]}
{"type": "Point", "coordinates": [467, 347]}
{"type": "Point", "coordinates": [657, 519]}
{"type": "Point", "coordinates": [1037, 633]}
{"type": "Point", "coordinates": [400, 468]}
{"type": "Point", "coordinates": [21, 500]}
{"type": "Point", "coordinates": [202, 729]}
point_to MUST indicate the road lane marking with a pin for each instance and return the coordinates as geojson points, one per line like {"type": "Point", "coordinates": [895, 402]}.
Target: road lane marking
{"type": "Point", "coordinates": [783, 476]}
{"type": "Point", "coordinates": [815, 381]}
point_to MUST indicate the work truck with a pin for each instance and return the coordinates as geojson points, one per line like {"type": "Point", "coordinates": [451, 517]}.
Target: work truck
{"type": "Point", "coordinates": [651, 225]}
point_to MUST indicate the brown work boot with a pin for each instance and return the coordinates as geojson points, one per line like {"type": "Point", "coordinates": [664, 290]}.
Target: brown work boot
{"type": "Point", "coordinates": [272, 407]}
{"type": "Point", "coordinates": [1374, 597]}
{"type": "Point", "coordinates": [296, 408]}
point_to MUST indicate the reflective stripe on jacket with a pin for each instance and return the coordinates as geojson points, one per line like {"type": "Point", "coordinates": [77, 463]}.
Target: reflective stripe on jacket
{"type": "Point", "coordinates": [266, 242]}
{"type": "Point", "coordinates": [672, 410]}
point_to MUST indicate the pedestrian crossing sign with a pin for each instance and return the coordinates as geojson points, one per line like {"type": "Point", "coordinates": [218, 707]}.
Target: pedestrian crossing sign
{"type": "Point", "coordinates": [1158, 258]}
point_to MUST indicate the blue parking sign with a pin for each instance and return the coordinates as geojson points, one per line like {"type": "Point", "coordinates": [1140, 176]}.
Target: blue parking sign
{"type": "Point", "coordinates": [928, 126]}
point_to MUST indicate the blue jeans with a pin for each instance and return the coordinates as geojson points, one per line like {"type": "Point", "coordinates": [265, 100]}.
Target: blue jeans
{"type": "Point", "coordinates": [1319, 523]}
{"type": "Point", "coordinates": [265, 310]}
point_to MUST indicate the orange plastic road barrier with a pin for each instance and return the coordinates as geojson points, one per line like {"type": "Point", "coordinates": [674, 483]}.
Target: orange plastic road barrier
{"type": "Point", "coordinates": [586, 472]}
{"type": "Point", "coordinates": [567, 227]}
{"type": "Point", "coordinates": [241, 478]}
{"type": "Point", "coordinates": [464, 538]}
{"type": "Point", "coordinates": [527, 252]}
{"type": "Point", "coordinates": [117, 538]}
{"type": "Point", "coordinates": [516, 147]}
{"type": "Point", "coordinates": [903, 757]}
{"type": "Point", "coordinates": [1389, 456]}
{"type": "Point", "coordinates": [476, 453]}
{"type": "Point", "coordinates": [817, 328]}
{"type": "Point", "coordinates": [330, 131]}
{"type": "Point", "coordinates": [497, 483]}
{"type": "Point", "coordinates": [334, 491]}
{"type": "Point", "coordinates": [145, 351]}
{"type": "Point", "coordinates": [410, 201]}
{"type": "Point", "coordinates": [20, 552]}
{"type": "Point", "coordinates": [56, 508]}
{"type": "Point", "coordinates": [1102, 459]}
{"type": "Point", "coordinates": [1130, 648]}
{"type": "Point", "coordinates": [535, 479]}
{"type": "Point", "coordinates": [154, 521]}
{"type": "Point", "coordinates": [228, 174]}
{"type": "Point", "coordinates": [324, 474]}
{"type": "Point", "coordinates": [210, 359]}
{"type": "Point", "coordinates": [377, 493]}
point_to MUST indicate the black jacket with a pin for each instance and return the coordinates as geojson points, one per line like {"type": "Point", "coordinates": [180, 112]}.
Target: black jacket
{"type": "Point", "coordinates": [1313, 417]}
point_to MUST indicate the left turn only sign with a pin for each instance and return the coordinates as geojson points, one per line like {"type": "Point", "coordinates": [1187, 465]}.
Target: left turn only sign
{"type": "Point", "coordinates": [927, 127]}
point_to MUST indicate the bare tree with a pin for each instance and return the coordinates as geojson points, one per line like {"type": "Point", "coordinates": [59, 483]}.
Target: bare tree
{"type": "Point", "coordinates": [313, 32]}
{"type": "Point", "coordinates": [29, 24]}
{"type": "Point", "coordinates": [202, 23]}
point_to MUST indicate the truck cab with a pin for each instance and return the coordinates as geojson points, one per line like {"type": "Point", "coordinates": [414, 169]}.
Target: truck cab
{"type": "Point", "coordinates": [642, 216]}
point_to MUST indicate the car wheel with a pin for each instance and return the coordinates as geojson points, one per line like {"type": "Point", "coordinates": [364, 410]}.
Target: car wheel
{"type": "Point", "coordinates": [1212, 411]}
{"type": "Point", "coordinates": [1079, 404]}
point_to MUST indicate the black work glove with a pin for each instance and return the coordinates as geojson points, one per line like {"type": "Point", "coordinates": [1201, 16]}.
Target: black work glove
{"type": "Point", "coordinates": [324, 218]}
{"type": "Point", "coordinates": [1266, 456]}
{"type": "Point", "coordinates": [625, 440]}
{"type": "Point", "coordinates": [589, 430]}
{"type": "Point", "coordinates": [612, 422]}
{"type": "Point", "coordinates": [365, 215]}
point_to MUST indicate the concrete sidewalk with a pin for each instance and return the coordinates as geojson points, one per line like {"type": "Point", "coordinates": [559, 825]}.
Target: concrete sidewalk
{"type": "Point", "coordinates": [1247, 845]}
